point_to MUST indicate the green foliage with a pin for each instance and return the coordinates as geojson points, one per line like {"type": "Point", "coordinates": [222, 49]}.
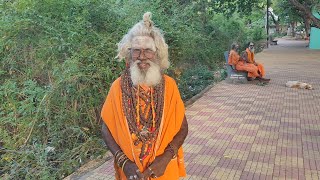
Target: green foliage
{"type": "Point", "coordinates": [57, 64]}
{"type": "Point", "coordinates": [223, 73]}
{"type": "Point", "coordinates": [257, 33]}
{"type": "Point", "coordinates": [194, 80]}
{"type": "Point", "coordinates": [290, 12]}
{"type": "Point", "coordinates": [286, 12]}
{"type": "Point", "coordinates": [226, 7]}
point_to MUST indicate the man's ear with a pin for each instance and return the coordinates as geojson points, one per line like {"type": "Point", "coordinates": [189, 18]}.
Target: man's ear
{"type": "Point", "coordinates": [127, 59]}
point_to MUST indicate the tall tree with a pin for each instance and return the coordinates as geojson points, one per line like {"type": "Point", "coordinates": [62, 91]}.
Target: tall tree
{"type": "Point", "coordinates": [275, 19]}
{"type": "Point", "coordinates": [227, 7]}
{"type": "Point", "coordinates": [287, 13]}
{"type": "Point", "coordinates": [304, 7]}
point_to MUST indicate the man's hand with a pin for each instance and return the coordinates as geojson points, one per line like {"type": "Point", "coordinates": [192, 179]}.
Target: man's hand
{"type": "Point", "coordinates": [158, 166]}
{"type": "Point", "coordinates": [160, 163]}
{"type": "Point", "coordinates": [132, 171]}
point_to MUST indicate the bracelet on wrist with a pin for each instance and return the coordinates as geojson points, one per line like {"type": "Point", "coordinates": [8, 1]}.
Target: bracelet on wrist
{"type": "Point", "coordinates": [116, 153]}
{"type": "Point", "coordinates": [121, 159]}
{"type": "Point", "coordinates": [124, 163]}
{"type": "Point", "coordinates": [172, 150]}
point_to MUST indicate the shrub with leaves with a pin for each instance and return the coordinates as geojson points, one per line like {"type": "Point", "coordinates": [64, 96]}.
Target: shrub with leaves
{"type": "Point", "coordinates": [194, 80]}
{"type": "Point", "coordinates": [57, 64]}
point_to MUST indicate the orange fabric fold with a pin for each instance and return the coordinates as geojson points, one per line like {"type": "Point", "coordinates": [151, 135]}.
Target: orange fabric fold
{"type": "Point", "coordinates": [250, 68]}
{"type": "Point", "coordinates": [252, 61]}
{"type": "Point", "coordinates": [261, 69]}
{"type": "Point", "coordinates": [173, 115]}
{"type": "Point", "coordinates": [233, 58]}
{"type": "Point", "coordinates": [250, 56]}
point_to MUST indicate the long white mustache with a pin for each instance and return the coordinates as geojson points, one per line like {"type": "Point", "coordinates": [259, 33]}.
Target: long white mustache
{"type": "Point", "coordinates": [151, 77]}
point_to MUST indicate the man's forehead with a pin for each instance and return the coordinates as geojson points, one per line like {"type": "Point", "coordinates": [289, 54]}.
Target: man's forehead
{"type": "Point", "coordinates": [251, 44]}
{"type": "Point", "coordinates": [145, 42]}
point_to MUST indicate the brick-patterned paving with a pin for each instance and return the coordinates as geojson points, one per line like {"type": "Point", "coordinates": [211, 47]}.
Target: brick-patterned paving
{"type": "Point", "coordinates": [246, 131]}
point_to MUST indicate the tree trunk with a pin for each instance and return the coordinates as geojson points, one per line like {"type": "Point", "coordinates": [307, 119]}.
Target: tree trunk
{"type": "Point", "coordinates": [306, 11]}
{"type": "Point", "coordinates": [293, 29]}
{"type": "Point", "coordinates": [307, 23]}
{"type": "Point", "coordinates": [275, 22]}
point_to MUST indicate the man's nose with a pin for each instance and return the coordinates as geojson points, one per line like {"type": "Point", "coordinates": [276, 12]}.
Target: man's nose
{"type": "Point", "coordinates": [142, 55]}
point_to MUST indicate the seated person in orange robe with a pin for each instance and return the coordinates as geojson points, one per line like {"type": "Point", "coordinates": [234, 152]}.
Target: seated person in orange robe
{"type": "Point", "coordinates": [241, 65]}
{"type": "Point", "coordinates": [144, 115]}
{"type": "Point", "coordinates": [248, 56]}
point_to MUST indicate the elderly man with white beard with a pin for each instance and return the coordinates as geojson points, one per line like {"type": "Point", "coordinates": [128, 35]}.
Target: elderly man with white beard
{"type": "Point", "coordinates": [144, 116]}
{"type": "Point", "coordinates": [248, 56]}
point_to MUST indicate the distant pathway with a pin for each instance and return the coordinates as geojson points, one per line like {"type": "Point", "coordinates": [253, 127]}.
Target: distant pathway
{"type": "Point", "coordinates": [246, 131]}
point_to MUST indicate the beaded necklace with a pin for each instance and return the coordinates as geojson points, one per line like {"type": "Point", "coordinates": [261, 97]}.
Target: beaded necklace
{"type": "Point", "coordinates": [143, 123]}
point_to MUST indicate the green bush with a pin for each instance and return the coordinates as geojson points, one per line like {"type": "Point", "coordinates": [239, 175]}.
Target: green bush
{"type": "Point", "coordinates": [258, 33]}
{"type": "Point", "coordinates": [57, 64]}
{"type": "Point", "coordinates": [56, 67]}
{"type": "Point", "coordinates": [194, 80]}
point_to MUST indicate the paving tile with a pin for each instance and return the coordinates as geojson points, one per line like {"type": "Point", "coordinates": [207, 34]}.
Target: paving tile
{"type": "Point", "coordinates": [206, 160]}
{"type": "Point", "coordinates": [224, 173]}
{"type": "Point", "coordinates": [236, 154]}
{"type": "Point", "coordinates": [244, 139]}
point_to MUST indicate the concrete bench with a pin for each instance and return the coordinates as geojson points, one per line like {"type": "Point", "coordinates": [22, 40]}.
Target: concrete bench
{"type": "Point", "coordinates": [233, 74]}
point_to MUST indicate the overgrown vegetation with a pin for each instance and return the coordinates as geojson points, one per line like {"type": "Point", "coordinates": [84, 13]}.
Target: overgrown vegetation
{"type": "Point", "coordinates": [57, 64]}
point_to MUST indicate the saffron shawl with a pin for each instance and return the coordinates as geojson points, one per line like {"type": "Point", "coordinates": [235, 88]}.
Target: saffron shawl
{"type": "Point", "coordinates": [172, 118]}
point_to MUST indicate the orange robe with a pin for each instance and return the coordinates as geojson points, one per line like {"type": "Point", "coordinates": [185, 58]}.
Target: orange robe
{"type": "Point", "coordinates": [252, 61]}
{"type": "Point", "coordinates": [172, 118]}
{"type": "Point", "coordinates": [234, 59]}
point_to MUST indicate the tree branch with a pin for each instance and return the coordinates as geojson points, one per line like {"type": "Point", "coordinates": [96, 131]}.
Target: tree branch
{"type": "Point", "coordinates": [305, 11]}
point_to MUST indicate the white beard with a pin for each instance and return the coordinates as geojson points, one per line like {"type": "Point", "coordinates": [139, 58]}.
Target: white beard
{"type": "Point", "coordinates": [151, 77]}
{"type": "Point", "coordinates": [252, 50]}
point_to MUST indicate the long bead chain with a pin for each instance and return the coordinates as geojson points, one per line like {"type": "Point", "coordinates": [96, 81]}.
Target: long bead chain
{"type": "Point", "coordinates": [142, 130]}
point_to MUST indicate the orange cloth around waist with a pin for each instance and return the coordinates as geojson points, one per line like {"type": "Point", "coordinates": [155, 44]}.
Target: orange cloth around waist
{"type": "Point", "coordinates": [173, 114]}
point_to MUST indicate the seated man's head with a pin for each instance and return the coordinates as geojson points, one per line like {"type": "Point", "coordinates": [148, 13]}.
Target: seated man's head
{"type": "Point", "coordinates": [251, 46]}
{"type": "Point", "coordinates": [145, 50]}
{"type": "Point", "coordinates": [235, 46]}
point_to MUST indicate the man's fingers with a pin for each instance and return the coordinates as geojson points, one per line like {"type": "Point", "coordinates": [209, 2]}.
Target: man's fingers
{"type": "Point", "coordinates": [154, 176]}
{"type": "Point", "coordinates": [148, 172]}
{"type": "Point", "coordinates": [140, 175]}
{"type": "Point", "coordinates": [145, 175]}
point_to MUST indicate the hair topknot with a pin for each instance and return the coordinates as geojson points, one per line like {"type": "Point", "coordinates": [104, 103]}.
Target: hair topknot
{"type": "Point", "coordinates": [147, 20]}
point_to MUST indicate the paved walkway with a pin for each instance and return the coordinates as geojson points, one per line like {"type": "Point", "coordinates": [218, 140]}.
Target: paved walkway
{"type": "Point", "coordinates": [246, 131]}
